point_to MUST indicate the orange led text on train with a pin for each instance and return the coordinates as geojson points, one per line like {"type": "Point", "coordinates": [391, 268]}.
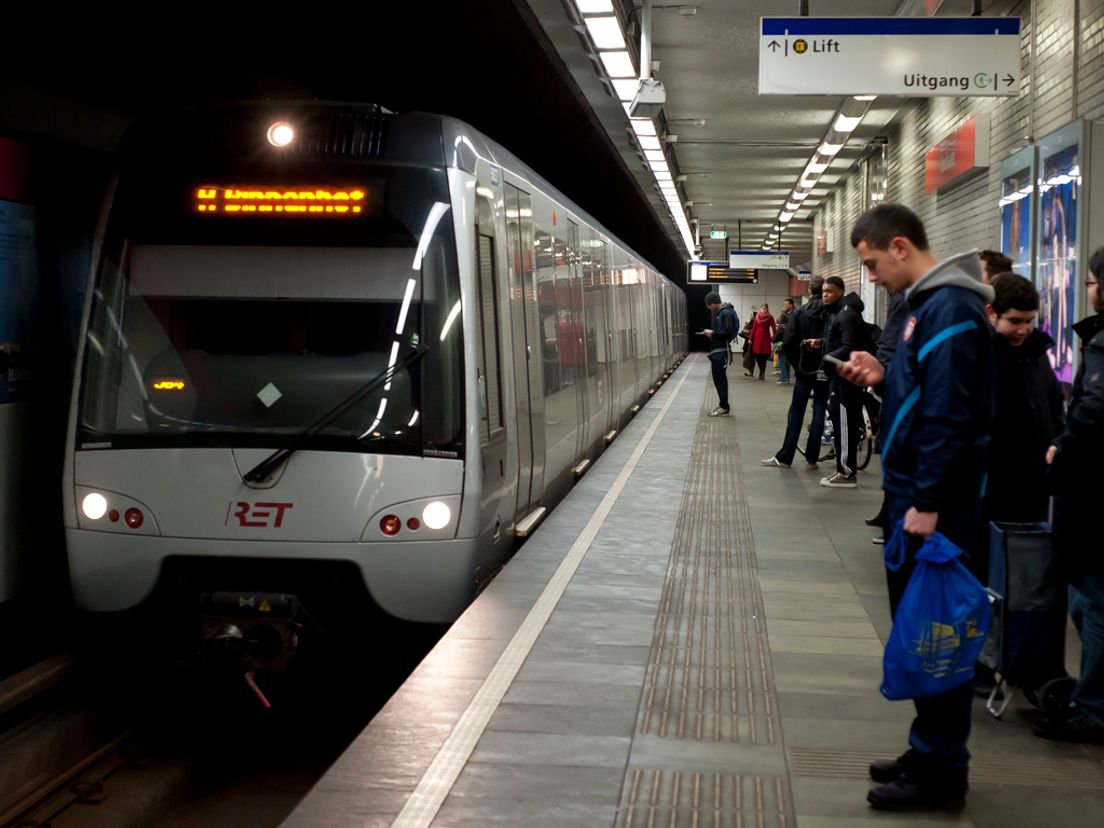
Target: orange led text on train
{"type": "Point", "coordinates": [318, 200]}
{"type": "Point", "coordinates": [168, 385]}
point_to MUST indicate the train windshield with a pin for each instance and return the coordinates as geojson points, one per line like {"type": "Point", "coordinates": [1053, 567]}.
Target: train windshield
{"type": "Point", "coordinates": [238, 314]}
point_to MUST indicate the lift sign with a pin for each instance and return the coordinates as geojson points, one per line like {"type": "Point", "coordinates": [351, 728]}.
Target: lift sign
{"type": "Point", "coordinates": [270, 202]}
{"type": "Point", "coordinates": [257, 514]}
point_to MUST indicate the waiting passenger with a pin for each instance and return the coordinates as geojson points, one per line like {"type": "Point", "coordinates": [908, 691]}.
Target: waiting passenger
{"type": "Point", "coordinates": [1076, 460]}
{"type": "Point", "coordinates": [725, 326]}
{"type": "Point", "coordinates": [779, 337]}
{"type": "Point", "coordinates": [805, 327]}
{"type": "Point", "coordinates": [938, 399]}
{"type": "Point", "coordinates": [992, 263]}
{"type": "Point", "coordinates": [748, 360]}
{"type": "Point", "coordinates": [762, 337]}
{"type": "Point", "coordinates": [846, 331]}
{"type": "Point", "coordinates": [1028, 406]}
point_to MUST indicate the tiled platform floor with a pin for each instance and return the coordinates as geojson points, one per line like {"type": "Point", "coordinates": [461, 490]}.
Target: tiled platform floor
{"type": "Point", "coordinates": [674, 686]}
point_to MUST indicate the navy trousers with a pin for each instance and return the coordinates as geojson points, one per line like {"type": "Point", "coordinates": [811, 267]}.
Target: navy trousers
{"type": "Point", "coordinates": [804, 388]}
{"type": "Point", "coordinates": [719, 362]}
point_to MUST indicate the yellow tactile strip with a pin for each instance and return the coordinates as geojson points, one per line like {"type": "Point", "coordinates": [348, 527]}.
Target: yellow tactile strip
{"type": "Point", "coordinates": [675, 799]}
{"type": "Point", "coordinates": [708, 677]}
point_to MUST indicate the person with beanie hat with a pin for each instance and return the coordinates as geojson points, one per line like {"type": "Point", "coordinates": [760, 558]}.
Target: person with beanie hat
{"type": "Point", "coordinates": [725, 327]}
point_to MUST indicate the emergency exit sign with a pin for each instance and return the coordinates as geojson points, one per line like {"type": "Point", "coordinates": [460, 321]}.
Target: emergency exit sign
{"type": "Point", "coordinates": [718, 234]}
{"type": "Point", "coordinates": [906, 56]}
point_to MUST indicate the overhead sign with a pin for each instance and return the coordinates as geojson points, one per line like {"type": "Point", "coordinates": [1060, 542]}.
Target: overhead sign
{"type": "Point", "coordinates": [718, 234]}
{"type": "Point", "coordinates": [907, 56]}
{"type": "Point", "coordinates": [963, 151]}
{"type": "Point", "coordinates": [702, 273]}
{"type": "Point", "coordinates": [771, 259]}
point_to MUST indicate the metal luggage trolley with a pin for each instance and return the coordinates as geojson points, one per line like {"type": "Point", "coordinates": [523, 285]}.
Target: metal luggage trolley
{"type": "Point", "coordinates": [1026, 643]}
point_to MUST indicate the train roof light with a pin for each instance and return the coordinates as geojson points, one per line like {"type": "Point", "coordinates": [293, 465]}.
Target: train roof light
{"type": "Point", "coordinates": [280, 134]}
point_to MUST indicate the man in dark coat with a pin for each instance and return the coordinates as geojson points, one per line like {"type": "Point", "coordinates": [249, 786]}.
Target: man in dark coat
{"type": "Point", "coordinates": [1076, 460]}
{"type": "Point", "coordinates": [845, 332]}
{"type": "Point", "coordinates": [1028, 407]}
{"type": "Point", "coordinates": [725, 326]}
{"type": "Point", "coordinates": [938, 402]}
{"type": "Point", "coordinates": [805, 326]}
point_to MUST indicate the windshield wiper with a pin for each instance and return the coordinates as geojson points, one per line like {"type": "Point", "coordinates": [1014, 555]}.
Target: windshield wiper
{"type": "Point", "coordinates": [273, 461]}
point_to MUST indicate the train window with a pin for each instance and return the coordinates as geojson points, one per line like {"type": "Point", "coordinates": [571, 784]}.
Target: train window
{"type": "Point", "coordinates": [251, 333]}
{"type": "Point", "coordinates": [548, 321]}
{"type": "Point", "coordinates": [490, 409]}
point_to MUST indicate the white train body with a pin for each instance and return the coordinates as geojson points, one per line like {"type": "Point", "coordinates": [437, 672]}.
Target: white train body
{"type": "Point", "coordinates": [509, 336]}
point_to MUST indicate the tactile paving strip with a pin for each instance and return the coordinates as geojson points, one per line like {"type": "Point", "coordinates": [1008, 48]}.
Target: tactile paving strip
{"type": "Point", "coordinates": [708, 677]}
{"type": "Point", "coordinates": [677, 799]}
{"type": "Point", "coordinates": [1018, 770]}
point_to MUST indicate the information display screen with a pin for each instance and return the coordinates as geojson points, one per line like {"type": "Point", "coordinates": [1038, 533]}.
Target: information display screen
{"type": "Point", "coordinates": [267, 201]}
{"type": "Point", "coordinates": [704, 273]}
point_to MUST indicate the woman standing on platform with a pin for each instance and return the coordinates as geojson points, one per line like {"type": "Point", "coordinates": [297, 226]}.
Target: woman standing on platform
{"type": "Point", "coordinates": [762, 338]}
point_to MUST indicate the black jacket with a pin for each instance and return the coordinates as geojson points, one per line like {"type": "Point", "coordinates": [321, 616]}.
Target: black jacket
{"type": "Point", "coordinates": [806, 322]}
{"type": "Point", "coordinates": [1074, 475]}
{"type": "Point", "coordinates": [1027, 418]}
{"type": "Point", "coordinates": [846, 330]}
{"type": "Point", "coordinates": [725, 326]}
{"type": "Point", "coordinates": [896, 314]}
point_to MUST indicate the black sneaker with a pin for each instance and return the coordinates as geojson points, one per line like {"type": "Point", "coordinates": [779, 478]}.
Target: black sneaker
{"type": "Point", "coordinates": [878, 520]}
{"type": "Point", "coordinates": [1077, 727]}
{"type": "Point", "coordinates": [886, 770]}
{"type": "Point", "coordinates": [909, 792]}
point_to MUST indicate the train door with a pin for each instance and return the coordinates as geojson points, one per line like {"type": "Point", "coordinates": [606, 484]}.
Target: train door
{"type": "Point", "coordinates": [576, 348]}
{"type": "Point", "coordinates": [526, 347]}
{"type": "Point", "coordinates": [597, 344]}
{"type": "Point", "coordinates": [497, 495]}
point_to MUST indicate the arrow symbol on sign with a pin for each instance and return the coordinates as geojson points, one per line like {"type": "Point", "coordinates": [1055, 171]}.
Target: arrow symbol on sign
{"type": "Point", "coordinates": [1009, 80]}
{"type": "Point", "coordinates": [774, 45]}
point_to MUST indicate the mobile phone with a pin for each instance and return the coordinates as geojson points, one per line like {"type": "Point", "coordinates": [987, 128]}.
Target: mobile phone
{"type": "Point", "coordinates": [834, 360]}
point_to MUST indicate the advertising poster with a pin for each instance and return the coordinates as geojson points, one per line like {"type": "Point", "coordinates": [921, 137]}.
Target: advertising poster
{"type": "Point", "coordinates": [1057, 274]}
{"type": "Point", "coordinates": [1015, 219]}
{"type": "Point", "coordinates": [18, 299]}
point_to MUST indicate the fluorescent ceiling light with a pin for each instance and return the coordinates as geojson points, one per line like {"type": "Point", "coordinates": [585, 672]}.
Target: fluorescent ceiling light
{"type": "Point", "coordinates": [808, 182]}
{"type": "Point", "coordinates": [791, 207]}
{"type": "Point", "coordinates": [655, 155]}
{"type": "Point", "coordinates": [643, 126]}
{"type": "Point", "coordinates": [816, 167]}
{"type": "Point", "coordinates": [846, 123]}
{"type": "Point", "coordinates": [649, 142]}
{"type": "Point", "coordinates": [662, 175]}
{"type": "Point", "coordinates": [625, 88]}
{"type": "Point", "coordinates": [865, 97]}
{"type": "Point", "coordinates": [798, 196]}
{"type": "Point", "coordinates": [785, 217]}
{"type": "Point", "coordinates": [829, 149]}
{"type": "Point", "coordinates": [605, 32]}
{"type": "Point", "coordinates": [595, 6]}
{"type": "Point", "coordinates": [618, 64]}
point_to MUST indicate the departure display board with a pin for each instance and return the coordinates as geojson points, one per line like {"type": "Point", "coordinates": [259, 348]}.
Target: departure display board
{"type": "Point", "coordinates": [704, 273]}
{"type": "Point", "coordinates": [267, 201]}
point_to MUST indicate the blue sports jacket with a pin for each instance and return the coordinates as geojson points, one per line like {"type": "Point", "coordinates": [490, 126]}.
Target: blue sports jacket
{"type": "Point", "coordinates": [939, 389]}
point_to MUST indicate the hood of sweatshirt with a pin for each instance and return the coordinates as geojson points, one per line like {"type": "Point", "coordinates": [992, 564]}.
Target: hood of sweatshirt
{"type": "Point", "coordinates": [963, 270]}
{"type": "Point", "coordinates": [853, 301]}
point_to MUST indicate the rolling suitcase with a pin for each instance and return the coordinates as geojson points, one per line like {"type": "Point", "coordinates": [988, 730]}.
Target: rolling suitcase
{"type": "Point", "coordinates": [1026, 643]}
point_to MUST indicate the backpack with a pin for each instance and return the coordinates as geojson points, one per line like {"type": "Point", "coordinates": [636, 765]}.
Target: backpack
{"type": "Point", "coordinates": [730, 323]}
{"type": "Point", "coordinates": [869, 334]}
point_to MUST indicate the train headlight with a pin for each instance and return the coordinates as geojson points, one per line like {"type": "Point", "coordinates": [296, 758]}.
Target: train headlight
{"type": "Point", "coordinates": [94, 506]}
{"type": "Point", "coordinates": [436, 515]}
{"type": "Point", "coordinates": [280, 134]}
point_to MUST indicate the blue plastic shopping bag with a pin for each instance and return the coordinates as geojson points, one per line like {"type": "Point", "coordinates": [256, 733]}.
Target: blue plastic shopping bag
{"type": "Point", "coordinates": [940, 625]}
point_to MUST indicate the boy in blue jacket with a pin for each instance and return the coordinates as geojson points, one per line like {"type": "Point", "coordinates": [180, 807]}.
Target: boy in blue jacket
{"type": "Point", "coordinates": [938, 409]}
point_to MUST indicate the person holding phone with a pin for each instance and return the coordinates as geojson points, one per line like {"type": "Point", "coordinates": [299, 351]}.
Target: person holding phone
{"type": "Point", "coordinates": [725, 327]}
{"type": "Point", "coordinates": [844, 332]}
{"type": "Point", "coordinates": [938, 401]}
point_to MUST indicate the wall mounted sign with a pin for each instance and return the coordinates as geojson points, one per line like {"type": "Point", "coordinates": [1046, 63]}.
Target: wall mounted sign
{"type": "Point", "coordinates": [963, 151]}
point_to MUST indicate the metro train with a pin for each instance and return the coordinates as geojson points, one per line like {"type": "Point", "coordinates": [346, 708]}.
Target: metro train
{"type": "Point", "coordinates": [329, 344]}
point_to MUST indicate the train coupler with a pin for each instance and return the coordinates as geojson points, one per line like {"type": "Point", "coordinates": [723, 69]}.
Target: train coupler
{"type": "Point", "coordinates": [256, 630]}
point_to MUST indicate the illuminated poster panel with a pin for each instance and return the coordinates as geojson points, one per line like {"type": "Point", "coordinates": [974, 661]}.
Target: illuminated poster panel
{"type": "Point", "coordinates": [1016, 210]}
{"type": "Point", "coordinates": [1059, 193]}
{"type": "Point", "coordinates": [18, 299]}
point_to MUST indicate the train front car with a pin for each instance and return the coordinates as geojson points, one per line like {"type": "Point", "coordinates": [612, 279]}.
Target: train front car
{"type": "Point", "coordinates": [270, 399]}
